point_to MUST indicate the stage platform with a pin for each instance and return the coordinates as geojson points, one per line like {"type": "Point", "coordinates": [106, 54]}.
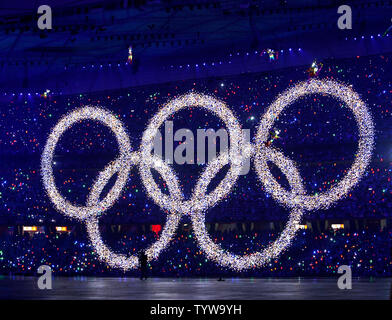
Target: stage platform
{"type": "Point", "coordinates": [19, 287]}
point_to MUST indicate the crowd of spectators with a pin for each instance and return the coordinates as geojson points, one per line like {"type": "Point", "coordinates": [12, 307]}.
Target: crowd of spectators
{"type": "Point", "coordinates": [317, 132]}
{"type": "Point", "coordinates": [368, 252]}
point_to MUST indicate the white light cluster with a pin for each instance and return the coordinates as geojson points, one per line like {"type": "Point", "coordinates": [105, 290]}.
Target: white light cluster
{"type": "Point", "coordinates": [257, 259]}
{"type": "Point", "coordinates": [109, 120]}
{"type": "Point", "coordinates": [363, 155]}
{"type": "Point", "coordinates": [200, 201]}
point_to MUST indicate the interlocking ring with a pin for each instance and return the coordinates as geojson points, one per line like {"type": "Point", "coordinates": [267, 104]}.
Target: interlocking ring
{"type": "Point", "coordinates": [106, 118]}
{"type": "Point", "coordinates": [199, 200]}
{"type": "Point", "coordinates": [363, 156]}
{"type": "Point", "coordinates": [295, 199]}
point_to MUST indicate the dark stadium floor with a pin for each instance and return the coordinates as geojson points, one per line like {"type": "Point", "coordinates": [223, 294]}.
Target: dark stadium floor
{"type": "Point", "coordinates": [19, 287]}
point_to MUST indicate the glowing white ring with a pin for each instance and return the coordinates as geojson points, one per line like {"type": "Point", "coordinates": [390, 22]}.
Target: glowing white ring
{"type": "Point", "coordinates": [363, 157]}
{"type": "Point", "coordinates": [257, 259]}
{"type": "Point", "coordinates": [127, 262]}
{"type": "Point", "coordinates": [109, 120]}
{"type": "Point", "coordinates": [199, 200]}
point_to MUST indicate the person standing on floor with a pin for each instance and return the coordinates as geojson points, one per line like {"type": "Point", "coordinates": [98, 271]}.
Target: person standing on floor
{"type": "Point", "coordinates": [143, 265]}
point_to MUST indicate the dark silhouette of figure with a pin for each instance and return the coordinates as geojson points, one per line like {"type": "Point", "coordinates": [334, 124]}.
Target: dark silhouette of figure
{"type": "Point", "coordinates": [390, 293]}
{"type": "Point", "coordinates": [143, 265]}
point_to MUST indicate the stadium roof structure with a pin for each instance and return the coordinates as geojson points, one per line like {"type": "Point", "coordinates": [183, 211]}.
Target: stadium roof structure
{"type": "Point", "coordinates": [173, 39]}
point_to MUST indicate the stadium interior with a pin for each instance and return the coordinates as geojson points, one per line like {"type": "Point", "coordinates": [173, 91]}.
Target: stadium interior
{"type": "Point", "coordinates": [133, 56]}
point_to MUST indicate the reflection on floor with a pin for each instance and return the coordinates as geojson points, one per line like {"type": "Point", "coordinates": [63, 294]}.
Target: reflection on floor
{"type": "Point", "coordinates": [18, 287]}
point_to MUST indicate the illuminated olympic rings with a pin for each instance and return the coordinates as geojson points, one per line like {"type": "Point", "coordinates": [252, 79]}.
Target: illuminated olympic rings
{"type": "Point", "coordinates": [295, 199]}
